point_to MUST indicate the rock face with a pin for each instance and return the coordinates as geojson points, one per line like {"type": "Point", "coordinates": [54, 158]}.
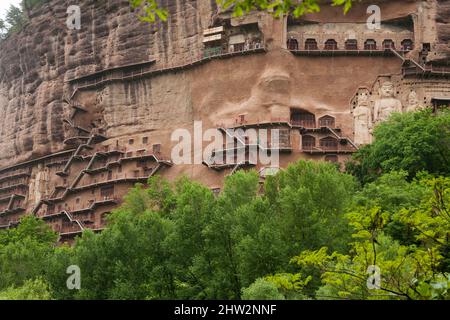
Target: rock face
{"type": "Point", "coordinates": [85, 114]}
{"type": "Point", "coordinates": [35, 64]}
{"type": "Point", "coordinates": [443, 28]}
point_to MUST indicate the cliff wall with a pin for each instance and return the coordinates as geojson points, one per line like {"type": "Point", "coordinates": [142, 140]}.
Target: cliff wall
{"type": "Point", "coordinates": [36, 63]}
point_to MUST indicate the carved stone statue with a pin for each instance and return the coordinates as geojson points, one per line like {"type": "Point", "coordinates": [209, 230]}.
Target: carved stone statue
{"type": "Point", "coordinates": [413, 102]}
{"type": "Point", "coordinates": [386, 103]}
{"type": "Point", "coordinates": [38, 184]}
{"type": "Point", "coordinates": [362, 119]}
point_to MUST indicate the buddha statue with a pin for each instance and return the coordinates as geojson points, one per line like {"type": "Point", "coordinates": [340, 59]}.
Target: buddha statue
{"type": "Point", "coordinates": [362, 119]}
{"type": "Point", "coordinates": [413, 102]}
{"type": "Point", "coordinates": [386, 104]}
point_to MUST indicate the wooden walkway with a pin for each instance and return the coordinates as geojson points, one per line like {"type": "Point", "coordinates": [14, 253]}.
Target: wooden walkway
{"type": "Point", "coordinates": [335, 133]}
{"type": "Point", "coordinates": [416, 69]}
{"type": "Point", "coordinates": [73, 186]}
{"type": "Point", "coordinates": [343, 52]}
{"type": "Point", "coordinates": [9, 209]}
{"type": "Point", "coordinates": [103, 80]}
{"type": "Point", "coordinates": [95, 204]}
{"type": "Point", "coordinates": [234, 166]}
{"type": "Point", "coordinates": [15, 174]}
{"type": "Point", "coordinates": [244, 145]}
{"type": "Point", "coordinates": [11, 224]}
{"type": "Point", "coordinates": [318, 150]}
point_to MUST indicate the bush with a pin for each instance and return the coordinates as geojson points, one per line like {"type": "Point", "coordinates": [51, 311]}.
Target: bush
{"type": "Point", "coordinates": [36, 289]}
{"type": "Point", "coordinates": [411, 142]}
{"type": "Point", "coordinates": [262, 290]}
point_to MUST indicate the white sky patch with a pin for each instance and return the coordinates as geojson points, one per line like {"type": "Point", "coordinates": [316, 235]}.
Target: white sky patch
{"type": "Point", "coordinates": [4, 5]}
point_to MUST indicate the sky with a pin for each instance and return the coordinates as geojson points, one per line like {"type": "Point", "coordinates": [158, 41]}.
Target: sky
{"type": "Point", "coordinates": [4, 5]}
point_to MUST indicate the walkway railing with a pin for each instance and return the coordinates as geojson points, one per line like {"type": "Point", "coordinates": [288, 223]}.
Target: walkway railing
{"type": "Point", "coordinates": [168, 67]}
{"type": "Point", "coordinates": [14, 174]}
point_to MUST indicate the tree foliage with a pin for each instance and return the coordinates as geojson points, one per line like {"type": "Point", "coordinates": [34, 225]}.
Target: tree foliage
{"type": "Point", "coordinates": [36, 289]}
{"type": "Point", "coordinates": [407, 270]}
{"type": "Point", "coordinates": [411, 142]}
{"type": "Point", "coordinates": [177, 240]}
{"type": "Point", "coordinates": [308, 232]}
{"type": "Point", "coordinates": [15, 19]}
{"type": "Point", "coordinates": [150, 10]}
{"type": "Point", "coordinates": [24, 251]}
{"type": "Point", "coordinates": [262, 290]}
{"type": "Point", "coordinates": [17, 16]}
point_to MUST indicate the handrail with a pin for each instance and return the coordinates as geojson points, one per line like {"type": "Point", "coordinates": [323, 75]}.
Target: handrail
{"type": "Point", "coordinates": [90, 207]}
{"type": "Point", "coordinates": [341, 137]}
{"type": "Point", "coordinates": [72, 219]}
{"type": "Point", "coordinates": [73, 188]}
{"type": "Point", "coordinates": [41, 159]}
{"type": "Point", "coordinates": [397, 54]}
{"type": "Point", "coordinates": [291, 124]}
{"type": "Point", "coordinates": [113, 69]}
{"type": "Point", "coordinates": [9, 208]}
{"type": "Point", "coordinates": [220, 166]}
{"type": "Point", "coordinates": [167, 68]}
{"type": "Point", "coordinates": [236, 168]}
{"type": "Point", "coordinates": [12, 174]}
{"type": "Point", "coordinates": [9, 225]}
{"type": "Point", "coordinates": [13, 186]}
{"type": "Point", "coordinates": [316, 149]}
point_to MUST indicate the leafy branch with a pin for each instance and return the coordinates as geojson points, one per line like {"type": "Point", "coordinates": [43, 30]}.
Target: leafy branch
{"type": "Point", "coordinates": [150, 10]}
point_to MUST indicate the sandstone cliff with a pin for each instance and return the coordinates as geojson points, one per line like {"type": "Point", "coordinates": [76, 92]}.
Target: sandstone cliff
{"type": "Point", "coordinates": [443, 29]}
{"type": "Point", "coordinates": [35, 64]}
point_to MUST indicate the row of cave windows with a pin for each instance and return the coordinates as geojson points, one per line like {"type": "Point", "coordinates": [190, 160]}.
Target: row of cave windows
{"type": "Point", "coordinates": [16, 204]}
{"type": "Point", "coordinates": [139, 164]}
{"type": "Point", "coordinates": [327, 143]}
{"type": "Point", "coordinates": [303, 118]}
{"type": "Point", "coordinates": [308, 120]}
{"type": "Point", "coordinates": [144, 141]}
{"type": "Point", "coordinates": [13, 182]}
{"type": "Point", "coordinates": [156, 148]}
{"type": "Point", "coordinates": [106, 193]}
{"type": "Point", "coordinates": [331, 44]}
{"type": "Point", "coordinates": [68, 225]}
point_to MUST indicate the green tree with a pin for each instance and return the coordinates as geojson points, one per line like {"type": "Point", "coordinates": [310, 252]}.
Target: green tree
{"type": "Point", "coordinates": [391, 193]}
{"type": "Point", "coordinates": [55, 274]}
{"type": "Point", "coordinates": [151, 10]}
{"type": "Point", "coordinates": [15, 19]}
{"type": "Point", "coordinates": [24, 251]}
{"type": "Point", "coordinates": [430, 220]}
{"type": "Point", "coordinates": [310, 199]}
{"type": "Point", "coordinates": [225, 231]}
{"type": "Point", "coordinates": [127, 261]}
{"type": "Point", "coordinates": [262, 290]}
{"type": "Point", "coordinates": [412, 142]}
{"type": "Point", "coordinates": [28, 5]}
{"type": "Point", "coordinates": [407, 271]}
{"type": "Point", "coordinates": [176, 240]}
{"type": "Point", "coordinates": [36, 289]}
{"type": "Point", "coordinates": [2, 26]}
